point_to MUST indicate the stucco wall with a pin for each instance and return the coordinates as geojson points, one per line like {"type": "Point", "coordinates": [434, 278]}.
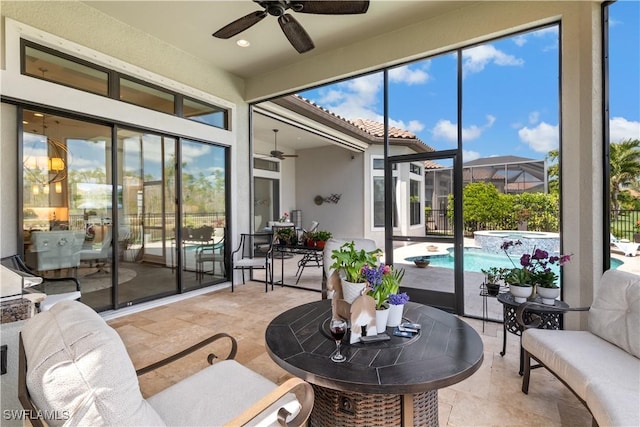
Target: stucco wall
{"type": "Point", "coordinates": [8, 174]}
{"type": "Point", "coordinates": [326, 171]}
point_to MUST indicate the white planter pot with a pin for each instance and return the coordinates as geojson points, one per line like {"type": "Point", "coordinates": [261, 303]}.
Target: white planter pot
{"type": "Point", "coordinates": [548, 295]}
{"type": "Point", "coordinates": [395, 315]}
{"type": "Point", "coordinates": [381, 320]}
{"type": "Point", "coordinates": [520, 293]}
{"type": "Point", "coordinates": [351, 291]}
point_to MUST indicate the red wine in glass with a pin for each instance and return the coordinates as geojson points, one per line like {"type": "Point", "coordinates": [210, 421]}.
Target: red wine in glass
{"type": "Point", "coordinates": [338, 327]}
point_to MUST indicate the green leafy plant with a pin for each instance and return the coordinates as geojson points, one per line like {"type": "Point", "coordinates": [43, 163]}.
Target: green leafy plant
{"type": "Point", "coordinates": [493, 275]}
{"type": "Point", "coordinates": [286, 235]}
{"type": "Point", "coordinates": [322, 235]}
{"type": "Point", "coordinates": [351, 261]}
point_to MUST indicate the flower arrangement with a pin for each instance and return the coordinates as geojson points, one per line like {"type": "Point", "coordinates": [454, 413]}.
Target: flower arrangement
{"type": "Point", "coordinates": [535, 267]}
{"type": "Point", "coordinates": [384, 281]}
{"type": "Point", "coordinates": [398, 299]}
{"type": "Point", "coordinates": [284, 217]}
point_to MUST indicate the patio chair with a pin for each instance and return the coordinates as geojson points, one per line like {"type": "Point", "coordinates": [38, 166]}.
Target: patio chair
{"type": "Point", "coordinates": [44, 292]}
{"type": "Point", "coordinates": [255, 252]}
{"type": "Point", "coordinates": [213, 253]}
{"type": "Point", "coordinates": [81, 371]}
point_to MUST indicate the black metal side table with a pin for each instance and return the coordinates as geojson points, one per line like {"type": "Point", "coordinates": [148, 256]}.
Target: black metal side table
{"type": "Point", "coordinates": [484, 293]}
{"type": "Point", "coordinates": [550, 319]}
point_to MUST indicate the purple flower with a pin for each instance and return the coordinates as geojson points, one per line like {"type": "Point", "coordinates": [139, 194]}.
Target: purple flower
{"type": "Point", "coordinates": [399, 299]}
{"type": "Point", "coordinates": [539, 254]}
{"type": "Point", "coordinates": [525, 260]}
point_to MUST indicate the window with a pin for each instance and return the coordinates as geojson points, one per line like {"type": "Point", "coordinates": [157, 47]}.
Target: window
{"type": "Point", "coordinates": [266, 165]}
{"type": "Point", "coordinates": [414, 202]}
{"type": "Point", "coordinates": [205, 113]}
{"type": "Point", "coordinates": [50, 65]}
{"type": "Point", "coordinates": [146, 96]}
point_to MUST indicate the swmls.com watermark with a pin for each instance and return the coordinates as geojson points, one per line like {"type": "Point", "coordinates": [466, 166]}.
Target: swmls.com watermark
{"type": "Point", "coordinates": [26, 414]}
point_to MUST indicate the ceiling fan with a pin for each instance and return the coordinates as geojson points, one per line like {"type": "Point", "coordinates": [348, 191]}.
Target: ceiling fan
{"type": "Point", "coordinates": [292, 29]}
{"type": "Point", "coordinates": [277, 153]}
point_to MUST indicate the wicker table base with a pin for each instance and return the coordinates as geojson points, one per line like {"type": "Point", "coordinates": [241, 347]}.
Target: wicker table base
{"type": "Point", "coordinates": [340, 408]}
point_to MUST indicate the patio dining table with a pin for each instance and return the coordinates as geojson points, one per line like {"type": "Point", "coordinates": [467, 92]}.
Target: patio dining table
{"type": "Point", "coordinates": [392, 382]}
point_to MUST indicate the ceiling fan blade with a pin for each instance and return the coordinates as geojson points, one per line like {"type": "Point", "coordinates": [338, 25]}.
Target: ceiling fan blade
{"type": "Point", "coordinates": [330, 7]}
{"type": "Point", "coordinates": [239, 25]}
{"type": "Point", "coordinates": [297, 35]}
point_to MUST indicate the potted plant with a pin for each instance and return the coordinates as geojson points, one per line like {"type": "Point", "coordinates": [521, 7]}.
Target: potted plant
{"type": "Point", "coordinates": [350, 262]}
{"type": "Point", "coordinates": [286, 235]}
{"type": "Point", "coordinates": [493, 276]}
{"type": "Point", "coordinates": [535, 272]}
{"type": "Point", "coordinates": [320, 238]}
{"type": "Point", "coordinates": [383, 280]}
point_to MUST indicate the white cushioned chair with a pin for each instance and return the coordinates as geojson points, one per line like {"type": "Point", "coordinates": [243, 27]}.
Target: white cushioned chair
{"type": "Point", "coordinates": [602, 364]}
{"type": "Point", "coordinates": [75, 366]}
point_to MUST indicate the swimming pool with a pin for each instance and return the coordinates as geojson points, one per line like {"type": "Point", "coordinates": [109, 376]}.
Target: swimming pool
{"type": "Point", "coordinates": [475, 260]}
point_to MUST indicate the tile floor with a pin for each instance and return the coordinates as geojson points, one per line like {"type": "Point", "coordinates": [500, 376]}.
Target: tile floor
{"type": "Point", "coordinates": [490, 397]}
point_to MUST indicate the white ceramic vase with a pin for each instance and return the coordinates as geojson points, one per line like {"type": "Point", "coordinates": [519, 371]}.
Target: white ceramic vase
{"type": "Point", "coordinates": [351, 290]}
{"type": "Point", "coordinates": [381, 320]}
{"type": "Point", "coordinates": [520, 293]}
{"type": "Point", "coordinates": [395, 315]}
{"type": "Point", "coordinates": [548, 295]}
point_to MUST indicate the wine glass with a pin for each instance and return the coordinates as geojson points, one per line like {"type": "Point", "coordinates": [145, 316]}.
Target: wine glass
{"type": "Point", "coordinates": [338, 327]}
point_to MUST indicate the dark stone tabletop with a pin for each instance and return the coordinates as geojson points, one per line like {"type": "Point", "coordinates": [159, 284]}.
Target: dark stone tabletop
{"type": "Point", "coordinates": [446, 351]}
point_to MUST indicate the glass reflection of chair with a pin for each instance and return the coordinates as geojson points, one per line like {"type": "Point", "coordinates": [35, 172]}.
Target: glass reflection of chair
{"type": "Point", "coordinates": [101, 255]}
{"type": "Point", "coordinates": [56, 250]}
{"type": "Point", "coordinates": [213, 253]}
{"type": "Point", "coordinates": [254, 253]}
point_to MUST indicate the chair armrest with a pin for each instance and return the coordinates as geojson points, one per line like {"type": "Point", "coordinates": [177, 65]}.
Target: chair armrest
{"type": "Point", "coordinates": [536, 321]}
{"type": "Point", "coordinates": [304, 394]}
{"type": "Point", "coordinates": [177, 356]}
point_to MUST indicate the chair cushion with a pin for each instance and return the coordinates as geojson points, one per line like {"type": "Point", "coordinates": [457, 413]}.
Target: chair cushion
{"type": "Point", "coordinates": [586, 362]}
{"type": "Point", "coordinates": [78, 364]}
{"type": "Point", "coordinates": [216, 395]}
{"type": "Point", "coordinates": [615, 312]}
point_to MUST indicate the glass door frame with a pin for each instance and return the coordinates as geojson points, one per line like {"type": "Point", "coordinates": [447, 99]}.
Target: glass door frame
{"type": "Point", "coordinates": [444, 300]}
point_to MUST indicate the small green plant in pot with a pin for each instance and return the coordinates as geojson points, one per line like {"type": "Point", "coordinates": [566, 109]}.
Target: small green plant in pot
{"type": "Point", "coordinates": [350, 261]}
{"type": "Point", "coordinates": [320, 237]}
{"type": "Point", "coordinates": [286, 236]}
{"type": "Point", "coordinates": [493, 276]}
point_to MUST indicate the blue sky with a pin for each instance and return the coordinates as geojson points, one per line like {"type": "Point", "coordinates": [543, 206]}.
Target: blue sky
{"type": "Point", "coordinates": [510, 92]}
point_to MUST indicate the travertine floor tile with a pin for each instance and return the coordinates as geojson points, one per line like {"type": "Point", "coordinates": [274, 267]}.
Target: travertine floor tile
{"type": "Point", "coordinates": [490, 397]}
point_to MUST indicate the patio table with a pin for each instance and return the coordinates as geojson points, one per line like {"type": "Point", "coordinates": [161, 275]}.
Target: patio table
{"type": "Point", "coordinates": [391, 382]}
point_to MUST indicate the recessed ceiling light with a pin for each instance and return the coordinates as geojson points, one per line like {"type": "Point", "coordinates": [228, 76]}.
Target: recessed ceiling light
{"type": "Point", "coordinates": [243, 43]}
{"type": "Point", "coordinates": [24, 122]}
{"type": "Point", "coordinates": [38, 114]}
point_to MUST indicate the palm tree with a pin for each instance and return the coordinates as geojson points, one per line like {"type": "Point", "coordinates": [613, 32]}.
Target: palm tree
{"type": "Point", "coordinates": [624, 164]}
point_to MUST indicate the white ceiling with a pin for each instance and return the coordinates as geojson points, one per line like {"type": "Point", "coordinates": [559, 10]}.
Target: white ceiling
{"type": "Point", "coordinates": [188, 25]}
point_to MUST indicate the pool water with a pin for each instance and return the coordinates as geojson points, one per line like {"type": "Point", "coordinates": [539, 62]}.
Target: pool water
{"type": "Point", "coordinates": [475, 260]}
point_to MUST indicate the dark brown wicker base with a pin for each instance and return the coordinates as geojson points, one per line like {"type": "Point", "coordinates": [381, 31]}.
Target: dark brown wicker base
{"type": "Point", "coordinates": [339, 408]}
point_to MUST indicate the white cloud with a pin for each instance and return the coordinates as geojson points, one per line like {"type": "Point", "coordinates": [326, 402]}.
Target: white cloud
{"type": "Point", "coordinates": [447, 130]}
{"type": "Point", "coordinates": [520, 40]}
{"type": "Point", "coordinates": [407, 75]}
{"type": "Point", "coordinates": [192, 151]}
{"type": "Point", "coordinates": [621, 129]}
{"type": "Point", "coordinates": [542, 138]}
{"type": "Point", "coordinates": [534, 117]}
{"type": "Point", "coordinates": [477, 58]}
{"type": "Point", "coordinates": [415, 126]}
{"type": "Point", "coordinates": [468, 155]}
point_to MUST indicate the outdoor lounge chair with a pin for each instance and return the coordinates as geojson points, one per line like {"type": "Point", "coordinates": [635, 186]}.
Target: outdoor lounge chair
{"type": "Point", "coordinates": [74, 365]}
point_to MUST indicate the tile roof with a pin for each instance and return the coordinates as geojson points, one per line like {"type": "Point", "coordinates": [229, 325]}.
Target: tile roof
{"type": "Point", "coordinates": [377, 129]}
